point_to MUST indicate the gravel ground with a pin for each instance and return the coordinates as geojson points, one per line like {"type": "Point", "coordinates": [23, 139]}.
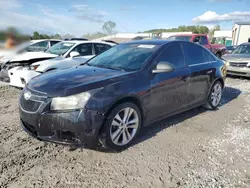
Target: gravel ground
{"type": "Point", "coordinates": [198, 148]}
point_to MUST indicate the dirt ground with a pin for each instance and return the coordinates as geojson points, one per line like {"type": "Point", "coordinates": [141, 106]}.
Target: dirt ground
{"type": "Point", "coordinates": [198, 148]}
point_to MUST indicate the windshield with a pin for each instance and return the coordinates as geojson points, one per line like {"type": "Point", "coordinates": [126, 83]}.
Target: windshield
{"type": "Point", "coordinates": [60, 48]}
{"type": "Point", "coordinates": [182, 38]}
{"type": "Point", "coordinates": [242, 49]}
{"type": "Point", "coordinates": [127, 57]}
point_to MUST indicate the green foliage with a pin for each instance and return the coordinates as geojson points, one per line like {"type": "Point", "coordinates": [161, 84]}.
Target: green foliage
{"type": "Point", "coordinates": [108, 27]}
{"type": "Point", "coordinates": [12, 30]}
{"type": "Point", "coordinates": [36, 36]}
{"type": "Point", "coordinates": [56, 36]}
{"type": "Point", "coordinates": [195, 29]}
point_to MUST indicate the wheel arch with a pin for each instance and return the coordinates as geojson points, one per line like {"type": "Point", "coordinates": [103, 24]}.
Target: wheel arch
{"type": "Point", "coordinates": [217, 79]}
{"type": "Point", "coordinates": [131, 98]}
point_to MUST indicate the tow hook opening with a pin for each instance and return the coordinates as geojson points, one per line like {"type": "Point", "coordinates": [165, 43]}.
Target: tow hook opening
{"type": "Point", "coordinates": [23, 81]}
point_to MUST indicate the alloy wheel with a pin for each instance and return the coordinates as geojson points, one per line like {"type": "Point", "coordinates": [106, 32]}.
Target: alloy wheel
{"type": "Point", "coordinates": [216, 94]}
{"type": "Point", "coordinates": [124, 126]}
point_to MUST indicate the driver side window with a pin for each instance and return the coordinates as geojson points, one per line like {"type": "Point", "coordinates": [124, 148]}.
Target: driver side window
{"type": "Point", "coordinates": [173, 54]}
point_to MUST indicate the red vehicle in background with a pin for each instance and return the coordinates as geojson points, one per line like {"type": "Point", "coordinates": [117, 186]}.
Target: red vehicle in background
{"type": "Point", "coordinates": [202, 39]}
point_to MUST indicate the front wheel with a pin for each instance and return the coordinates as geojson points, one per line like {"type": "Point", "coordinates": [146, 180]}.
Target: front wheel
{"type": "Point", "coordinates": [215, 95]}
{"type": "Point", "coordinates": [121, 127]}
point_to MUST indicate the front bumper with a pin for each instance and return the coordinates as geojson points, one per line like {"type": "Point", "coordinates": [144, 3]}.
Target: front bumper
{"type": "Point", "coordinates": [80, 127]}
{"type": "Point", "coordinates": [19, 78]}
{"type": "Point", "coordinates": [238, 71]}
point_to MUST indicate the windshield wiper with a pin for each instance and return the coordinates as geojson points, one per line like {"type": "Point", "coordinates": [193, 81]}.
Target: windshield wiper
{"type": "Point", "coordinates": [117, 68]}
{"type": "Point", "coordinates": [105, 67]}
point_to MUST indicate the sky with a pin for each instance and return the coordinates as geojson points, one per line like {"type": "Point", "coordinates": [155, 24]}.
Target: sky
{"type": "Point", "coordinates": [78, 17]}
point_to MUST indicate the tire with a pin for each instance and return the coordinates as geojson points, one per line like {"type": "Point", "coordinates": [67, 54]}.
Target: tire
{"type": "Point", "coordinates": [215, 95]}
{"type": "Point", "coordinates": [115, 132]}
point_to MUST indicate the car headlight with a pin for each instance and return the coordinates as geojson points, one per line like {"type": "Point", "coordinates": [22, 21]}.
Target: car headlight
{"type": "Point", "coordinates": [72, 102]}
{"type": "Point", "coordinates": [225, 62]}
{"type": "Point", "coordinates": [34, 67]}
{"type": "Point", "coordinates": [248, 65]}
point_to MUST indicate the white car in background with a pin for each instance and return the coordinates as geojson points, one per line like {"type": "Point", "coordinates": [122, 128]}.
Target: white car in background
{"type": "Point", "coordinates": [72, 53]}
{"type": "Point", "coordinates": [31, 46]}
{"type": "Point", "coordinates": [24, 54]}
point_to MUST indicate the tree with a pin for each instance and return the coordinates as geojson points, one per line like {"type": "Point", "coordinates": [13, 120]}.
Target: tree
{"type": "Point", "coordinates": [215, 28]}
{"type": "Point", "coordinates": [109, 27]}
{"type": "Point", "coordinates": [182, 28]}
{"type": "Point", "coordinates": [36, 35]}
{"type": "Point", "coordinates": [12, 30]}
{"type": "Point", "coordinates": [57, 36]}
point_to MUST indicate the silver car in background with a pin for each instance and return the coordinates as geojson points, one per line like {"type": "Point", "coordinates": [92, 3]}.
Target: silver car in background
{"type": "Point", "coordinates": [238, 62]}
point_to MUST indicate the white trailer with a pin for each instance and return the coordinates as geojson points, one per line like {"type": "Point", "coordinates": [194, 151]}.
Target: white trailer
{"type": "Point", "coordinates": [241, 32]}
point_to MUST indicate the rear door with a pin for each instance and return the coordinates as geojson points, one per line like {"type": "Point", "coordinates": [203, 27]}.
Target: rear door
{"type": "Point", "coordinates": [169, 91]}
{"type": "Point", "coordinates": [199, 61]}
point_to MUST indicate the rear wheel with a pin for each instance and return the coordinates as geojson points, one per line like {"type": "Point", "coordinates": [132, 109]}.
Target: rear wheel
{"type": "Point", "coordinates": [121, 127]}
{"type": "Point", "coordinates": [215, 95]}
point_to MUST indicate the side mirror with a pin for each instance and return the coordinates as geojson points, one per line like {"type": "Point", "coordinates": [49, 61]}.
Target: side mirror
{"type": "Point", "coordinates": [74, 54]}
{"type": "Point", "coordinates": [162, 67]}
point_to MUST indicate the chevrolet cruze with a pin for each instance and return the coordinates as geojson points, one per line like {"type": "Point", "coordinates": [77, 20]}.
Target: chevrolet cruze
{"type": "Point", "coordinates": [107, 100]}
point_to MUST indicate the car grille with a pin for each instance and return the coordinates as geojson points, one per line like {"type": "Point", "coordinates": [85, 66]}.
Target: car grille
{"type": "Point", "coordinates": [234, 64]}
{"type": "Point", "coordinates": [32, 104]}
{"type": "Point", "coordinates": [234, 72]}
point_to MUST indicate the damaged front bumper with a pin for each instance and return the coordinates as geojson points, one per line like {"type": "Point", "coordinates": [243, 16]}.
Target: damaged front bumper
{"type": "Point", "coordinates": [19, 77]}
{"type": "Point", "coordinates": [79, 127]}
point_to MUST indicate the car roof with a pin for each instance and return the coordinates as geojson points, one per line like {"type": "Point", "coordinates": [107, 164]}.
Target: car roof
{"type": "Point", "coordinates": [88, 41]}
{"type": "Point", "coordinates": [153, 42]}
{"type": "Point", "coordinates": [40, 40]}
{"type": "Point", "coordinates": [245, 43]}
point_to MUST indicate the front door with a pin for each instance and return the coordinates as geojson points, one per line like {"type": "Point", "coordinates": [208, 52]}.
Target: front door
{"type": "Point", "coordinates": [169, 91]}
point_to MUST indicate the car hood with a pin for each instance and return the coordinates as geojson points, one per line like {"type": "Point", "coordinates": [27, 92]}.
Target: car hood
{"type": "Point", "coordinates": [75, 80]}
{"type": "Point", "coordinates": [32, 55]}
{"type": "Point", "coordinates": [54, 62]}
{"type": "Point", "coordinates": [237, 57]}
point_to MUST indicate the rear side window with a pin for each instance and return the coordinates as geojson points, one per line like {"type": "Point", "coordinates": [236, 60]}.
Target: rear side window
{"type": "Point", "coordinates": [84, 49]}
{"type": "Point", "coordinates": [53, 42]}
{"type": "Point", "coordinates": [204, 40]}
{"type": "Point", "coordinates": [173, 54]}
{"type": "Point", "coordinates": [196, 54]}
{"type": "Point", "coordinates": [197, 39]}
{"type": "Point", "coordinates": [40, 46]}
{"type": "Point", "coordinates": [99, 48]}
